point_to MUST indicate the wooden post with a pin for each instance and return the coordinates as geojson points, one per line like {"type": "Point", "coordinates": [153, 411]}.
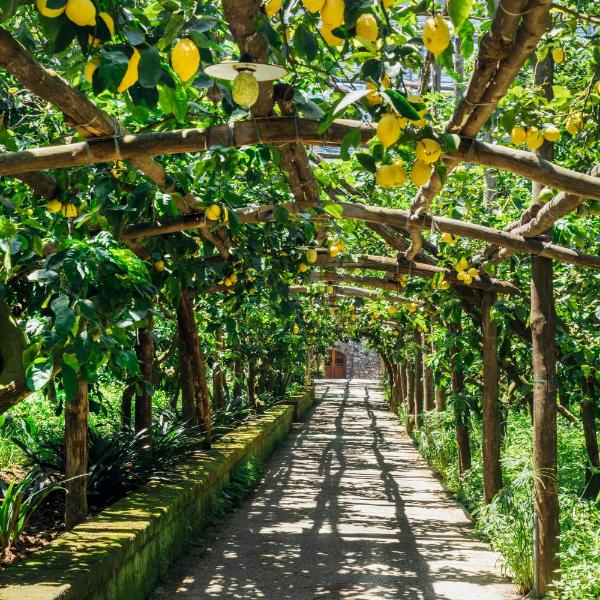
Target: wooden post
{"type": "Point", "coordinates": [428, 398]}
{"type": "Point", "coordinates": [76, 455]}
{"type": "Point", "coordinates": [144, 349]}
{"type": "Point", "coordinates": [410, 413]}
{"type": "Point", "coordinates": [418, 389]}
{"type": "Point", "coordinates": [404, 382]}
{"type": "Point", "coordinates": [590, 434]}
{"type": "Point", "coordinates": [252, 382]}
{"type": "Point", "coordinates": [238, 375]}
{"type": "Point", "coordinates": [460, 410]}
{"type": "Point", "coordinates": [126, 398]}
{"type": "Point", "coordinates": [492, 471]}
{"type": "Point", "coordinates": [193, 368]}
{"type": "Point", "coordinates": [218, 373]}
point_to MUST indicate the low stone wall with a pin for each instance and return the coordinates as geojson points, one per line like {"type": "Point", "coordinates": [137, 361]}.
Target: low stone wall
{"type": "Point", "coordinates": [301, 402]}
{"type": "Point", "coordinates": [121, 553]}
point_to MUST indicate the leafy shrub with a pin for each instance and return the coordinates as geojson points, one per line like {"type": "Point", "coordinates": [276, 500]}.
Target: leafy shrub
{"type": "Point", "coordinates": [19, 501]}
{"type": "Point", "coordinates": [243, 480]}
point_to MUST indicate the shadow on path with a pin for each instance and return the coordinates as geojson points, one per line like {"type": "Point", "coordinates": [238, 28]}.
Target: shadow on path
{"type": "Point", "coordinates": [346, 510]}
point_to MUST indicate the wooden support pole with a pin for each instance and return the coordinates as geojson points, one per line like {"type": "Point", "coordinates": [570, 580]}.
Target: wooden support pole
{"type": "Point", "coordinates": [590, 434]}
{"type": "Point", "coordinates": [461, 410]}
{"type": "Point", "coordinates": [76, 455]}
{"type": "Point", "coordinates": [410, 412]}
{"type": "Point", "coordinates": [418, 381]}
{"type": "Point", "coordinates": [492, 472]}
{"type": "Point", "coordinates": [144, 349]}
{"type": "Point", "coordinates": [252, 382]}
{"type": "Point", "coordinates": [428, 394]}
{"type": "Point", "coordinates": [404, 384]}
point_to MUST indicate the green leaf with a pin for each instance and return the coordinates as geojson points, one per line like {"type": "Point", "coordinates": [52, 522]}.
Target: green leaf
{"type": "Point", "coordinates": [366, 161]}
{"type": "Point", "coordinates": [305, 43]}
{"type": "Point", "coordinates": [39, 373]}
{"type": "Point", "coordinates": [450, 142]}
{"type": "Point", "coordinates": [349, 99]}
{"type": "Point", "coordinates": [402, 105]}
{"type": "Point", "coordinates": [335, 210]}
{"type": "Point", "coordinates": [351, 140]}
{"type": "Point", "coordinates": [459, 10]}
{"type": "Point", "coordinates": [150, 69]}
{"type": "Point", "coordinates": [111, 71]}
{"type": "Point", "coordinates": [69, 379]}
{"type": "Point", "coordinates": [71, 360]}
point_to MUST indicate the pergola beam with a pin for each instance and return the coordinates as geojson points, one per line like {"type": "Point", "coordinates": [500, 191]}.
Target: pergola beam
{"type": "Point", "coordinates": [352, 292]}
{"type": "Point", "coordinates": [279, 130]}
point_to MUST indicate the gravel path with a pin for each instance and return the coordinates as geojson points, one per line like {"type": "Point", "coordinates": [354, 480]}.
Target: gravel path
{"type": "Point", "coordinates": [347, 509]}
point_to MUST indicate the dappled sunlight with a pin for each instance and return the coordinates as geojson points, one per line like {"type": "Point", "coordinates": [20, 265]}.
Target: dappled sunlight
{"type": "Point", "coordinates": [346, 509]}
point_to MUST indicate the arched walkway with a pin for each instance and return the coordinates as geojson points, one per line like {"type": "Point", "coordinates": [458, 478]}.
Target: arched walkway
{"type": "Point", "coordinates": [347, 509]}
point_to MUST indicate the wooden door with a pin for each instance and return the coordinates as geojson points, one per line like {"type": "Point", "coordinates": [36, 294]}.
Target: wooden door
{"type": "Point", "coordinates": [335, 366]}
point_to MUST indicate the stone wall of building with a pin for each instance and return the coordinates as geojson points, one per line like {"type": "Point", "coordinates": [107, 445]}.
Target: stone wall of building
{"type": "Point", "coordinates": [361, 362]}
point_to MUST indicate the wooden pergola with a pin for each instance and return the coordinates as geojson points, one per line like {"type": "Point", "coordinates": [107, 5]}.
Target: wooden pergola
{"type": "Point", "coordinates": [516, 28]}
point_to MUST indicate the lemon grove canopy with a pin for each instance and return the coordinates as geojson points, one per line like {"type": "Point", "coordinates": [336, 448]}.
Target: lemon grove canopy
{"type": "Point", "coordinates": [430, 160]}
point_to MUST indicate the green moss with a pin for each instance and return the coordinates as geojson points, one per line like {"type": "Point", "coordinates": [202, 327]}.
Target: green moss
{"type": "Point", "coordinates": [122, 552]}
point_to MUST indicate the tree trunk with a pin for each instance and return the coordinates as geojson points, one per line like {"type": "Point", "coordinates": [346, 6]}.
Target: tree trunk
{"type": "Point", "coordinates": [143, 399]}
{"type": "Point", "coordinates": [238, 376]}
{"type": "Point", "coordinates": [588, 420]}
{"type": "Point", "coordinates": [440, 399]}
{"type": "Point", "coordinates": [76, 456]}
{"type": "Point", "coordinates": [428, 397]}
{"type": "Point", "coordinates": [218, 374]}
{"type": "Point", "coordinates": [410, 413]}
{"type": "Point", "coordinates": [252, 382]}
{"type": "Point", "coordinates": [404, 383]}
{"type": "Point", "coordinates": [492, 471]}
{"type": "Point", "coordinates": [460, 411]}
{"type": "Point", "coordinates": [194, 385]}
{"type": "Point", "coordinates": [126, 398]}
{"type": "Point", "coordinates": [418, 383]}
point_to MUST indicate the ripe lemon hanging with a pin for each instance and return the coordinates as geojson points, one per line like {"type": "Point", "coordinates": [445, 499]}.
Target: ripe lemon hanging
{"type": "Point", "coordinates": [551, 133]}
{"type": "Point", "coordinates": [131, 75]}
{"type": "Point", "coordinates": [412, 307]}
{"type": "Point", "coordinates": [420, 173]}
{"type": "Point", "coordinates": [81, 12]}
{"type": "Point", "coordinates": [390, 176]}
{"type": "Point", "coordinates": [185, 59]}
{"type": "Point", "coordinates": [534, 138]}
{"type": "Point", "coordinates": [388, 3]}
{"type": "Point", "coordinates": [436, 34]}
{"type": "Point", "coordinates": [367, 28]}
{"type": "Point", "coordinates": [159, 265]}
{"type": "Point", "coordinates": [90, 69]}
{"type": "Point", "coordinates": [330, 37]}
{"type": "Point", "coordinates": [311, 255]}
{"type": "Point", "coordinates": [373, 97]}
{"type": "Point", "coordinates": [558, 55]}
{"type": "Point", "coordinates": [69, 210]}
{"type": "Point", "coordinates": [54, 206]}
{"type": "Point", "coordinates": [303, 267]}
{"type": "Point", "coordinates": [428, 150]}
{"type": "Point", "coordinates": [272, 7]}
{"type": "Point", "coordinates": [518, 135]}
{"type": "Point", "coordinates": [574, 123]}
{"type": "Point", "coordinates": [447, 238]}
{"type": "Point", "coordinates": [388, 130]}
{"type": "Point", "coordinates": [51, 13]}
{"type": "Point", "coordinates": [330, 290]}
{"type": "Point", "coordinates": [296, 329]}
{"type": "Point", "coordinates": [245, 90]}
{"type": "Point", "coordinates": [313, 6]}
{"type": "Point", "coordinates": [332, 13]}
{"type": "Point", "coordinates": [213, 212]}
{"type": "Point", "coordinates": [462, 265]}
{"type": "Point", "coordinates": [473, 272]}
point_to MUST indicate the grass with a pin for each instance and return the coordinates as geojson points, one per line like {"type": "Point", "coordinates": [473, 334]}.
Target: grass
{"type": "Point", "coordinates": [507, 524]}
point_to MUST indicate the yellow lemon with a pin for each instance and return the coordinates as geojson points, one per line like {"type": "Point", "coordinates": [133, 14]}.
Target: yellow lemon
{"type": "Point", "coordinates": [311, 255]}
{"type": "Point", "coordinates": [420, 173]}
{"type": "Point", "coordinates": [54, 206]}
{"type": "Point", "coordinates": [329, 37]}
{"type": "Point", "coordinates": [367, 28]}
{"type": "Point", "coordinates": [444, 285]}
{"type": "Point", "coordinates": [461, 275]}
{"type": "Point", "coordinates": [213, 212]}
{"type": "Point", "coordinates": [332, 13]}
{"type": "Point", "coordinates": [393, 310]}
{"type": "Point", "coordinates": [468, 280]}
{"type": "Point", "coordinates": [534, 138]}
{"type": "Point", "coordinates": [386, 82]}
{"type": "Point", "coordinates": [69, 210]}
{"type": "Point", "coordinates": [551, 133]}
{"type": "Point", "coordinates": [558, 55]}
{"type": "Point", "coordinates": [518, 135]}
{"type": "Point", "coordinates": [447, 238]}
{"type": "Point", "coordinates": [110, 25]}
{"type": "Point", "coordinates": [388, 130]}
{"type": "Point", "coordinates": [51, 13]}
{"type": "Point", "coordinates": [389, 176]}
{"type": "Point", "coordinates": [296, 329]}
{"type": "Point", "coordinates": [313, 6]}
{"type": "Point", "coordinates": [462, 265]}
{"type": "Point", "coordinates": [303, 267]}
{"type": "Point", "coordinates": [330, 290]}
{"type": "Point", "coordinates": [90, 69]}
{"type": "Point", "coordinates": [272, 7]}
{"type": "Point", "coordinates": [574, 123]}
{"type": "Point", "coordinates": [245, 90]}
{"type": "Point", "coordinates": [81, 12]}
{"type": "Point", "coordinates": [412, 307]}
{"type": "Point", "coordinates": [185, 59]}
{"type": "Point", "coordinates": [159, 265]}
{"type": "Point", "coordinates": [373, 97]}
{"type": "Point", "coordinates": [428, 150]}
{"type": "Point", "coordinates": [436, 34]}
{"type": "Point", "coordinates": [233, 277]}
{"type": "Point", "coordinates": [388, 3]}
{"type": "Point", "coordinates": [131, 75]}
{"type": "Point", "coordinates": [473, 272]}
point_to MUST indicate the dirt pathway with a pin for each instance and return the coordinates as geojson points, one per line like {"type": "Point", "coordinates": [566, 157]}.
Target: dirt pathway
{"type": "Point", "coordinates": [347, 509]}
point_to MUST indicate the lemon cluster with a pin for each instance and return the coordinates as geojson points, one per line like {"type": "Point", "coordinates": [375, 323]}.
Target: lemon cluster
{"type": "Point", "coordinates": [533, 137]}
{"type": "Point", "coordinates": [68, 209]}
{"type": "Point", "coordinates": [465, 274]}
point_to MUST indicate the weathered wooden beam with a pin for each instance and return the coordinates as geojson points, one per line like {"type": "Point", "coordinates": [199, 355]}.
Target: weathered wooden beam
{"type": "Point", "coordinates": [279, 130]}
{"type": "Point", "coordinates": [352, 292]}
{"type": "Point", "coordinates": [391, 265]}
